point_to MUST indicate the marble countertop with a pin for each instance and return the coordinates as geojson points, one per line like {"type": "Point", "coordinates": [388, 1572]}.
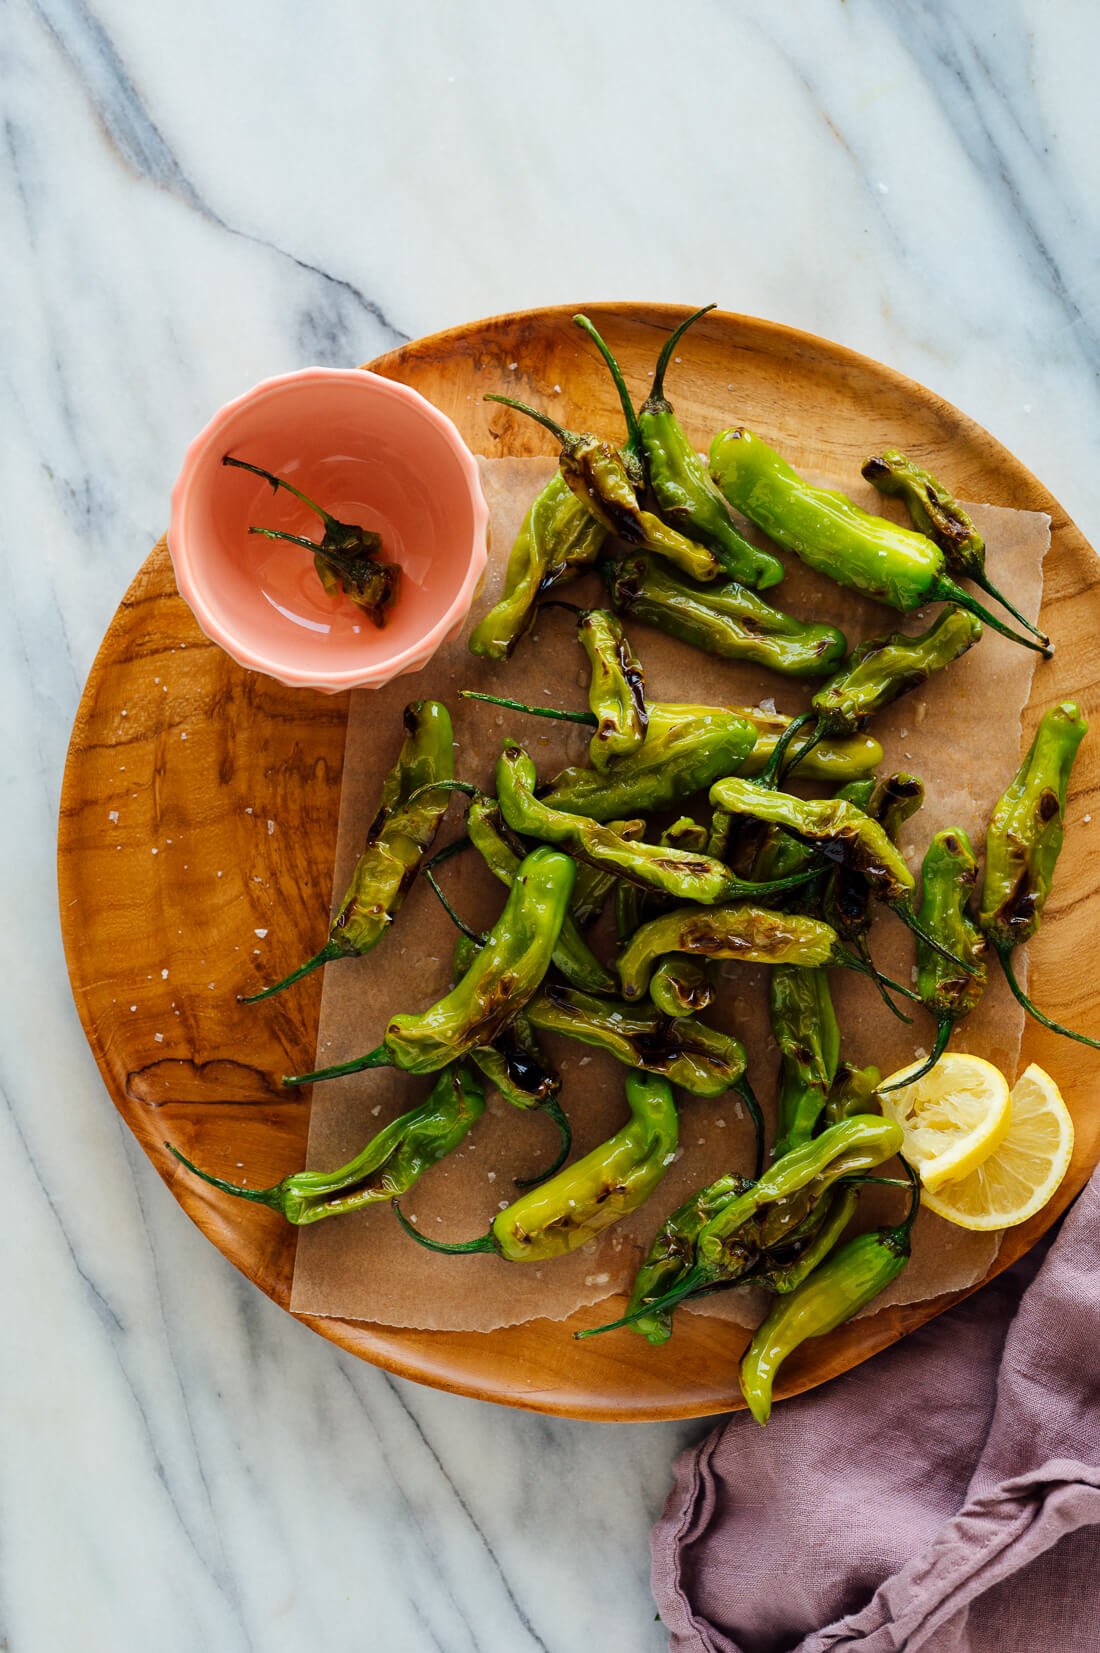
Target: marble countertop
{"type": "Point", "coordinates": [195, 197]}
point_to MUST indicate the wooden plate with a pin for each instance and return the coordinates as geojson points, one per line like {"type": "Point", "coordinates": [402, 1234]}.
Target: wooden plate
{"type": "Point", "coordinates": [191, 785]}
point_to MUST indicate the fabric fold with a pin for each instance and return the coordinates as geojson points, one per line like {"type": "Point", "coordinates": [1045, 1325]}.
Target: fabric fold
{"type": "Point", "coordinates": [944, 1496]}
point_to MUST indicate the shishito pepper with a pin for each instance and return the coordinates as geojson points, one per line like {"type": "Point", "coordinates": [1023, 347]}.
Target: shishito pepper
{"type": "Point", "coordinates": [576, 1206]}
{"type": "Point", "coordinates": [683, 874]}
{"type": "Point", "coordinates": [882, 669]}
{"type": "Point", "coordinates": [851, 1093]}
{"type": "Point", "coordinates": [845, 759]}
{"type": "Point", "coordinates": [747, 932]}
{"type": "Point", "coordinates": [616, 690]}
{"type": "Point", "coordinates": [505, 974]}
{"type": "Point", "coordinates": [834, 761]}
{"type": "Point", "coordinates": [949, 873]}
{"type": "Point", "coordinates": [685, 748]}
{"type": "Point", "coordinates": [833, 535]}
{"type": "Point", "coordinates": [572, 955]}
{"type": "Point", "coordinates": [804, 1025]}
{"type": "Point", "coordinates": [1022, 845]}
{"type": "Point", "coordinates": [601, 479]}
{"type": "Point", "coordinates": [936, 512]}
{"type": "Point", "coordinates": [780, 1274]}
{"type": "Point", "coordinates": [515, 1064]}
{"type": "Point", "coordinates": [387, 1167]}
{"type": "Point", "coordinates": [672, 1252]}
{"type": "Point", "coordinates": [686, 497]}
{"type": "Point", "coordinates": [558, 538]}
{"type": "Point", "coordinates": [846, 894]}
{"type": "Point", "coordinates": [681, 986]}
{"type": "Point", "coordinates": [398, 838]}
{"type": "Point", "coordinates": [347, 556]}
{"type": "Point", "coordinates": [698, 1058]}
{"type": "Point", "coordinates": [724, 618]}
{"type": "Point", "coordinates": [836, 1290]}
{"type": "Point", "coordinates": [844, 832]}
{"type": "Point", "coordinates": [727, 1244]}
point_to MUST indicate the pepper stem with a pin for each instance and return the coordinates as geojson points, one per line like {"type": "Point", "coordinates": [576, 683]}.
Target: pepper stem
{"type": "Point", "coordinates": [944, 1024]}
{"type": "Point", "coordinates": [862, 962]}
{"type": "Point", "coordinates": [906, 1227]}
{"type": "Point", "coordinates": [554, 1109]}
{"type": "Point", "coordinates": [429, 873]}
{"type": "Point", "coordinates": [948, 591]}
{"type": "Point", "coordinates": [748, 1097]}
{"type": "Point", "coordinates": [770, 886]}
{"type": "Point", "coordinates": [328, 952]}
{"type": "Point", "coordinates": [909, 919]}
{"type": "Point", "coordinates": [768, 778]}
{"type": "Point", "coordinates": [658, 391]}
{"type": "Point", "coordinates": [483, 1243]}
{"type": "Point", "coordinates": [589, 719]}
{"type": "Point", "coordinates": [634, 436]}
{"type": "Point", "coordinates": [533, 413]}
{"type": "Point", "coordinates": [1004, 953]}
{"type": "Point", "coordinates": [984, 583]}
{"type": "Point", "coordinates": [379, 1057]}
{"type": "Point", "coordinates": [689, 1283]}
{"type": "Point", "coordinates": [295, 539]}
{"type": "Point", "coordinates": [277, 483]}
{"type": "Point", "coordinates": [262, 1196]}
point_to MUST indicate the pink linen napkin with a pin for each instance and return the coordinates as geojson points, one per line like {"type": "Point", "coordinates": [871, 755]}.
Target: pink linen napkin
{"type": "Point", "coordinates": [945, 1496]}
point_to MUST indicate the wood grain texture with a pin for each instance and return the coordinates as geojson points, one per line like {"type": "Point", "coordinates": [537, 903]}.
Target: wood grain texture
{"type": "Point", "coordinates": [234, 782]}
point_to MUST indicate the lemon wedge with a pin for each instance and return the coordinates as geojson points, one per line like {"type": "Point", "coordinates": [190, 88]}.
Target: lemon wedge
{"type": "Point", "coordinates": [953, 1117]}
{"type": "Point", "coordinates": [1024, 1171]}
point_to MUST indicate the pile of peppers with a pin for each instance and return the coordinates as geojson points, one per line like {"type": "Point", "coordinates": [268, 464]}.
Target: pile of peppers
{"type": "Point", "coordinates": [756, 872]}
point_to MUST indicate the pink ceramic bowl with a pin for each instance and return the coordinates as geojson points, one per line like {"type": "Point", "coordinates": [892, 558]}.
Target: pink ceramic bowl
{"type": "Point", "coordinates": [371, 452]}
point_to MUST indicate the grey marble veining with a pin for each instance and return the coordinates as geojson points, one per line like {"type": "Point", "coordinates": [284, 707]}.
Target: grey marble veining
{"type": "Point", "coordinates": [192, 198]}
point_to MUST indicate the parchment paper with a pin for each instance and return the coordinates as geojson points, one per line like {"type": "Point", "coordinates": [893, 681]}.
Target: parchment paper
{"type": "Point", "coordinates": [961, 734]}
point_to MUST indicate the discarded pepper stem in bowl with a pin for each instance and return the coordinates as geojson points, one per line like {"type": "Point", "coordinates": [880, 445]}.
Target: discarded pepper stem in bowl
{"type": "Point", "coordinates": [346, 558]}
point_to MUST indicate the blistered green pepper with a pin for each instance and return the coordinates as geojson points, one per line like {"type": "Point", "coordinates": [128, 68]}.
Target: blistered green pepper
{"type": "Point", "coordinates": [948, 875]}
{"type": "Point", "coordinates": [686, 497]}
{"type": "Point", "coordinates": [516, 1066]}
{"type": "Point", "coordinates": [506, 972]}
{"type": "Point", "coordinates": [672, 1253]}
{"type": "Point", "coordinates": [781, 1275]}
{"type": "Point", "coordinates": [815, 759]}
{"type": "Point", "coordinates": [572, 955]}
{"type": "Point", "coordinates": [725, 619]}
{"type": "Point", "coordinates": [386, 1168]}
{"type": "Point", "coordinates": [852, 1091]}
{"type": "Point", "coordinates": [1022, 845]}
{"type": "Point", "coordinates": [847, 758]}
{"type": "Point", "coordinates": [601, 479]}
{"type": "Point", "coordinates": [848, 835]}
{"type": "Point", "coordinates": [836, 1290]}
{"type": "Point", "coordinates": [686, 748]}
{"type": "Point", "coordinates": [752, 934]}
{"type": "Point", "coordinates": [576, 1206]}
{"type": "Point", "coordinates": [882, 669]}
{"type": "Point", "coordinates": [727, 1244]}
{"type": "Point", "coordinates": [616, 690]}
{"type": "Point", "coordinates": [804, 1025]}
{"type": "Point", "coordinates": [559, 538]}
{"type": "Point", "coordinates": [398, 838]}
{"type": "Point", "coordinates": [698, 1058]}
{"type": "Point", "coordinates": [937, 513]}
{"type": "Point", "coordinates": [845, 893]}
{"type": "Point", "coordinates": [834, 536]}
{"type": "Point", "coordinates": [682, 874]}
{"type": "Point", "coordinates": [681, 987]}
